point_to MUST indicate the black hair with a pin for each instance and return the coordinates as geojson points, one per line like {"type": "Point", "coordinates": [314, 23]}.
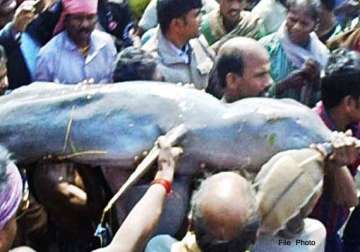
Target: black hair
{"type": "Point", "coordinates": [342, 78]}
{"type": "Point", "coordinates": [134, 64]}
{"type": "Point", "coordinates": [313, 7]}
{"type": "Point", "coordinates": [328, 4]}
{"type": "Point", "coordinates": [230, 61]}
{"type": "Point", "coordinates": [167, 10]}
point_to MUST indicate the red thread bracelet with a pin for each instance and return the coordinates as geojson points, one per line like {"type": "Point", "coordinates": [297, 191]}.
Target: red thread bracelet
{"type": "Point", "coordinates": [165, 183]}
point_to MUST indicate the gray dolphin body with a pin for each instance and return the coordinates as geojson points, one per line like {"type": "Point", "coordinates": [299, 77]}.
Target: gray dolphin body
{"type": "Point", "coordinates": [110, 124]}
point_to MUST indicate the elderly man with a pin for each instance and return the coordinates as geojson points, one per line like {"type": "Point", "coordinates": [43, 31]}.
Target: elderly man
{"type": "Point", "coordinates": [230, 18]}
{"type": "Point", "coordinates": [182, 56]}
{"type": "Point", "coordinates": [241, 70]}
{"type": "Point", "coordinates": [78, 53]}
{"type": "Point", "coordinates": [223, 218]}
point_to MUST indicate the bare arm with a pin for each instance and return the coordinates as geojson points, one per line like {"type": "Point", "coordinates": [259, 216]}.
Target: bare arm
{"type": "Point", "coordinates": [343, 186]}
{"type": "Point", "coordinates": [338, 177]}
{"type": "Point", "coordinates": [144, 217]}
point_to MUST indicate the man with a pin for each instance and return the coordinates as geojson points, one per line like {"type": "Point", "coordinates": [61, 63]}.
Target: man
{"type": "Point", "coordinates": [182, 56]}
{"type": "Point", "coordinates": [134, 64]}
{"type": "Point", "coordinates": [12, 24]}
{"type": "Point", "coordinates": [223, 218]}
{"type": "Point", "coordinates": [230, 19]}
{"type": "Point", "coordinates": [241, 70]}
{"type": "Point", "coordinates": [143, 219]}
{"type": "Point", "coordinates": [339, 109]}
{"type": "Point", "coordinates": [78, 53]}
{"type": "Point", "coordinates": [149, 18]}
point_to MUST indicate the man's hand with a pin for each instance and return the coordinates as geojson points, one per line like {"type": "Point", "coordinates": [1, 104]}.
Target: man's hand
{"type": "Point", "coordinates": [24, 15]}
{"type": "Point", "coordinates": [311, 69]}
{"type": "Point", "coordinates": [168, 157]}
{"type": "Point", "coordinates": [345, 152]}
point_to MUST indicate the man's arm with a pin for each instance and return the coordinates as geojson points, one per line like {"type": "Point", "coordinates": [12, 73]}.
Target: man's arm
{"type": "Point", "coordinates": [138, 226]}
{"type": "Point", "coordinates": [338, 178]}
{"type": "Point", "coordinates": [343, 186]}
{"type": "Point", "coordinates": [10, 34]}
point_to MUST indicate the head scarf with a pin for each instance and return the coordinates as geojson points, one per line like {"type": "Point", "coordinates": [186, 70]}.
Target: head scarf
{"type": "Point", "coordinates": [10, 194]}
{"type": "Point", "coordinates": [73, 7]}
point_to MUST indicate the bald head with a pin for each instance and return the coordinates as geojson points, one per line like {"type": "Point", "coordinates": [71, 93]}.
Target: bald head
{"type": "Point", "coordinates": [241, 69]}
{"type": "Point", "coordinates": [223, 206]}
{"type": "Point", "coordinates": [242, 46]}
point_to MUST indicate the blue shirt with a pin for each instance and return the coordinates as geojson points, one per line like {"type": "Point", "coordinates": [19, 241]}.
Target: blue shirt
{"type": "Point", "coordinates": [61, 61]}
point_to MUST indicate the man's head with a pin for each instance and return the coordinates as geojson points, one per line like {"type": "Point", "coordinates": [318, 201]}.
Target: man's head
{"type": "Point", "coordinates": [341, 84]}
{"type": "Point", "coordinates": [10, 198]}
{"type": "Point", "coordinates": [78, 18]}
{"type": "Point", "coordinates": [4, 84]}
{"type": "Point", "coordinates": [230, 10]}
{"type": "Point", "coordinates": [242, 69]}
{"type": "Point", "coordinates": [224, 213]}
{"type": "Point", "coordinates": [7, 10]}
{"type": "Point", "coordinates": [135, 64]}
{"type": "Point", "coordinates": [179, 16]}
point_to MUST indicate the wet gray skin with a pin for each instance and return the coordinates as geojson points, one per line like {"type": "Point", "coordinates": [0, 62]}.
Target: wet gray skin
{"type": "Point", "coordinates": [110, 125]}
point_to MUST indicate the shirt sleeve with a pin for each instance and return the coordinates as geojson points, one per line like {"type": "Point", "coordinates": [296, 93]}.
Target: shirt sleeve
{"type": "Point", "coordinates": [43, 68]}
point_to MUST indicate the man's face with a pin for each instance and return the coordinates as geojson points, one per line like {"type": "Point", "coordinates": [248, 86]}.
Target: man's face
{"type": "Point", "coordinates": [7, 11]}
{"type": "Point", "coordinates": [4, 84]}
{"type": "Point", "coordinates": [80, 26]}
{"type": "Point", "coordinates": [255, 80]}
{"type": "Point", "coordinates": [191, 24]}
{"type": "Point", "coordinates": [230, 10]}
{"type": "Point", "coordinates": [299, 25]}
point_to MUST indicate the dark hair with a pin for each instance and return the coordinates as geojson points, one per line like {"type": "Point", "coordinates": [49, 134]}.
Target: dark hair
{"type": "Point", "coordinates": [230, 61]}
{"type": "Point", "coordinates": [328, 4]}
{"type": "Point", "coordinates": [134, 64]}
{"type": "Point", "coordinates": [3, 58]}
{"type": "Point", "coordinates": [168, 10]}
{"type": "Point", "coordinates": [342, 77]}
{"type": "Point", "coordinates": [312, 6]}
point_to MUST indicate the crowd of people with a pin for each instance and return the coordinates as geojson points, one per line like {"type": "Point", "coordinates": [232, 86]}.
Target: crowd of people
{"type": "Point", "coordinates": [306, 50]}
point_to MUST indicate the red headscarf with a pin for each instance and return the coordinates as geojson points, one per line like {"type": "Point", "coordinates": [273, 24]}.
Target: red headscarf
{"type": "Point", "coordinates": [73, 7]}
